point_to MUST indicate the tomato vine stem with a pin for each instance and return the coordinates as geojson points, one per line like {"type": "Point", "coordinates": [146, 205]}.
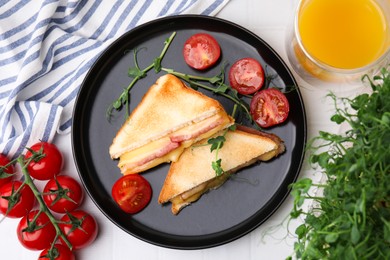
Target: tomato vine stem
{"type": "Point", "coordinates": [43, 208]}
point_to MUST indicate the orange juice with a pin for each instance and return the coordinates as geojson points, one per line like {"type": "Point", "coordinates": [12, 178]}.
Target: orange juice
{"type": "Point", "coordinates": [344, 34]}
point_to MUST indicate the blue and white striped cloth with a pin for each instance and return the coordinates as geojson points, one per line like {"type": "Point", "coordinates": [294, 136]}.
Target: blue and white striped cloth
{"type": "Point", "coordinates": [46, 49]}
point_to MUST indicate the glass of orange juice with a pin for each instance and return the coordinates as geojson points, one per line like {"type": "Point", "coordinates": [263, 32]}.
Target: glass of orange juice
{"type": "Point", "coordinates": [339, 41]}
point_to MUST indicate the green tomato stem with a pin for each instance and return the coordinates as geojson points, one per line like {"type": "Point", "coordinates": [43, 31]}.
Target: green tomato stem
{"type": "Point", "coordinates": [43, 208]}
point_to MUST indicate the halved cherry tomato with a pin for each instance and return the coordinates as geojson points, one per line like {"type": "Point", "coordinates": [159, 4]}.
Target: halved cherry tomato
{"type": "Point", "coordinates": [62, 194]}
{"type": "Point", "coordinates": [58, 252]}
{"type": "Point", "coordinates": [132, 193]}
{"type": "Point", "coordinates": [15, 203]}
{"type": "Point", "coordinates": [6, 173]}
{"type": "Point", "coordinates": [269, 107]}
{"type": "Point", "coordinates": [246, 76]}
{"type": "Point", "coordinates": [79, 227]}
{"type": "Point", "coordinates": [201, 51]}
{"type": "Point", "coordinates": [46, 166]}
{"type": "Point", "coordinates": [36, 235]}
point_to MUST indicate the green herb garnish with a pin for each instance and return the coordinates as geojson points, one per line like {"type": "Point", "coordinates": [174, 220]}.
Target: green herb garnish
{"type": "Point", "coordinates": [136, 73]}
{"type": "Point", "coordinates": [216, 144]}
{"type": "Point", "coordinates": [351, 218]}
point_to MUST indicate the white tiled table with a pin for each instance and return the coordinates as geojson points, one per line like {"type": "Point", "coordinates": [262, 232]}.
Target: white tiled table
{"type": "Point", "coordinates": [268, 19]}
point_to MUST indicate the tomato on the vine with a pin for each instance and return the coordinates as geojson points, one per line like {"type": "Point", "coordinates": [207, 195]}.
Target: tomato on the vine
{"type": "Point", "coordinates": [57, 252]}
{"type": "Point", "coordinates": [246, 76]}
{"type": "Point", "coordinates": [15, 203]}
{"type": "Point", "coordinates": [38, 234]}
{"type": "Point", "coordinates": [48, 162]}
{"type": "Point", "coordinates": [79, 227]}
{"type": "Point", "coordinates": [62, 194]}
{"type": "Point", "coordinates": [201, 51]}
{"type": "Point", "coordinates": [269, 107]}
{"type": "Point", "coordinates": [132, 193]}
{"type": "Point", "coordinates": [7, 170]}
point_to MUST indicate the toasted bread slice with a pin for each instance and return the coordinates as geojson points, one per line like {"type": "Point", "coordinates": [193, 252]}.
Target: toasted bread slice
{"type": "Point", "coordinates": [170, 117]}
{"type": "Point", "coordinates": [192, 175]}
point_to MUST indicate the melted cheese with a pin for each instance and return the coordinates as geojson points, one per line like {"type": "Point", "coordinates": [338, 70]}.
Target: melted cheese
{"type": "Point", "coordinates": [195, 193]}
{"type": "Point", "coordinates": [143, 152]}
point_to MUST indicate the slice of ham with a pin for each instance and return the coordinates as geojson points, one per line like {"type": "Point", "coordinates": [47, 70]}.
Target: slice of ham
{"type": "Point", "coordinates": [193, 131]}
{"type": "Point", "coordinates": [157, 154]}
{"type": "Point", "coordinates": [157, 149]}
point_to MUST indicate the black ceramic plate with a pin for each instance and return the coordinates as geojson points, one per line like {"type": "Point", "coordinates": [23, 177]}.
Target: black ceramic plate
{"type": "Point", "coordinates": [222, 215]}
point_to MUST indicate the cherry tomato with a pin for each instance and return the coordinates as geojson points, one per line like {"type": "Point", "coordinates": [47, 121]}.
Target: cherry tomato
{"type": "Point", "coordinates": [49, 165]}
{"type": "Point", "coordinates": [79, 227]}
{"type": "Point", "coordinates": [246, 76]}
{"type": "Point", "coordinates": [62, 194]}
{"type": "Point", "coordinates": [201, 51]}
{"type": "Point", "coordinates": [6, 173]}
{"type": "Point", "coordinates": [20, 202]}
{"type": "Point", "coordinates": [58, 252]}
{"type": "Point", "coordinates": [269, 107]}
{"type": "Point", "coordinates": [132, 193]}
{"type": "Point", "coordinates": [36, 235]}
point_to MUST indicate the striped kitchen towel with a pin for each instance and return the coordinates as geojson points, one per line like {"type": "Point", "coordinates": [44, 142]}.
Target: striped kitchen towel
{"type": "Point", "coordinates": [48, 46]}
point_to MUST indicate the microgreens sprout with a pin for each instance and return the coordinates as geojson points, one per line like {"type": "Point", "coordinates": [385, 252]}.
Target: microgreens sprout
{"type": "Point", "coordinates": [350, 218]}
{"type": "Point", "coordinates": [136, 73]}
{"type": "Point", "coordinates": [216, 144]}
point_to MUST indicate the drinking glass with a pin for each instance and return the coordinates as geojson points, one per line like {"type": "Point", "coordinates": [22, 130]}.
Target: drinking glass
{"type": "Point", "coordinates": [339, 41]}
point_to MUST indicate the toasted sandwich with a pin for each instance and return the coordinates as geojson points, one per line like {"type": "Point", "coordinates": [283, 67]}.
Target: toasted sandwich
{"type": "Point", "coordinates": [170, 117]}
{"type": "Point", "coordinates": [192, 175]}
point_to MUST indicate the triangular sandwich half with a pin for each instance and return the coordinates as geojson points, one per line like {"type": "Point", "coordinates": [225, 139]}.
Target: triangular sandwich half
{"type": "Point", "coordinates": [192, 175]}
{"type": "Point", "coordinates": [170, 117]}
